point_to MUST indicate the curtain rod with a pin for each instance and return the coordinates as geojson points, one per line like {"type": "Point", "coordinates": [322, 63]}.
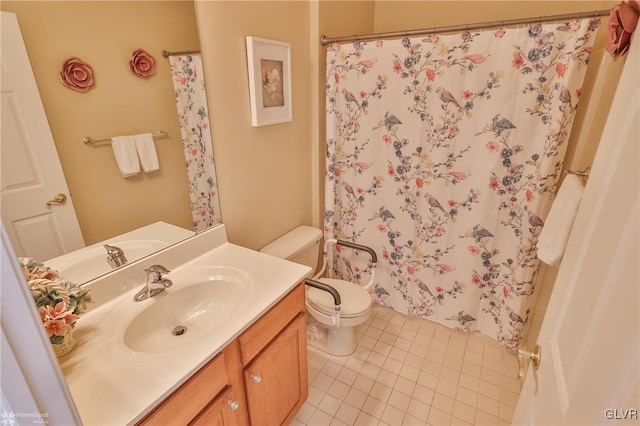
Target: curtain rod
{"type": "Point", "coordinates": [166, 53]}
{"type": "Point", "coordinates": [324, 40]}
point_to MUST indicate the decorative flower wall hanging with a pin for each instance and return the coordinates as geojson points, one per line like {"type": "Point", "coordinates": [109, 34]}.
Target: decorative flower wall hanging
{"type": "Point", "coordinates": [142, 64]}
{"type": "Point", "coordinates": [77, 75]}
{"type": "Point", "coordinates": [621, 25]}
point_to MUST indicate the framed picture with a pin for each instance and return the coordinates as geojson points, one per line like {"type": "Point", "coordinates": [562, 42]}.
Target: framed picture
{"type": "Point", "coordinates": [269, 64]}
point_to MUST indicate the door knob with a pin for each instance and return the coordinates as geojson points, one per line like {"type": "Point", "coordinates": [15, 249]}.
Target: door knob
{"type": "Point", "coordinates": [534, 356]}
{"type": "Point", "coordinates": [59, 199]}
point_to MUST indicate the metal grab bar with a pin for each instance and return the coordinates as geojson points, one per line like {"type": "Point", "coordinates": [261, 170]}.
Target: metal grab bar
{"type": "Point", "coordinates": [372, 253]}
{"type": "Point", "coordinates": [336, 297]}
{"type": "Point", "coordinates": [326, 287]}
{"type": "Point", "coordinates": [374, 257]}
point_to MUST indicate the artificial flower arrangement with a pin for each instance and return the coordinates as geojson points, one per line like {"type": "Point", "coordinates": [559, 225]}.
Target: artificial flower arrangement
{"type": "Point", "coordinates": [59, 301]}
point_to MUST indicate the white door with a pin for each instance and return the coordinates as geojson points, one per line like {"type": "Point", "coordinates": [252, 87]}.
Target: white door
{"type": "Point", "coordinates": [589, 367]}
{"type": "Point", "coordinates": [31, 171]}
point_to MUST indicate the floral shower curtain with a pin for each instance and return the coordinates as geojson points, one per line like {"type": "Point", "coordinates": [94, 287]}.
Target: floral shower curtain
{"type": "Point", "coordinates": [443, 154]}
{"type": "Point", "coordinates": [193, 116]}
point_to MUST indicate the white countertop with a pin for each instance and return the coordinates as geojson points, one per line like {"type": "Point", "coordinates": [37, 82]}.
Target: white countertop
{"type": "Point", "coordinates": [136, 244]}
{"type": "Point", "coordinates": [114, 385]}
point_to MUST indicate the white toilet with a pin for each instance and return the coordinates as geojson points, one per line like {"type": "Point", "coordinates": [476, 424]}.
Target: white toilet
{"type": "Point", "coordinates": [324, 330]}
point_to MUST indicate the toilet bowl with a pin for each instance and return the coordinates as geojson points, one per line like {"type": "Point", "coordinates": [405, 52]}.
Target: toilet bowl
{"type": "Point", "coordinates": [327, 330]}
{"type": "Point", "coordinates": [340, 339]}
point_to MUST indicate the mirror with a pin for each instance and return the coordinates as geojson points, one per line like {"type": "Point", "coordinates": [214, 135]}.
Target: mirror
{"type": "Point", "coordinates": [105, 35]}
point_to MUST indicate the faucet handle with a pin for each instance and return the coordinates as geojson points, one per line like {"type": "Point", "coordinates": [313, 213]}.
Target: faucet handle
{"type": "Point", "coordinates": [157, 269]}
{"type": "Point", "coordinates": [154, 275]}
{"type": "Point", "coordinates": [155, 272]}
{"type": "Point", "coordinates": [115, 256]}
{"type": "Point", "coordinates": [113, 250]}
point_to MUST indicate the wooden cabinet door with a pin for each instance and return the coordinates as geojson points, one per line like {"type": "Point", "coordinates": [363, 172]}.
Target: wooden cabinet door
{"type": "Point", "coordinates": [276, 381]}
{"type": "Point", "coordinates": [221, 412]}
{"type": "Point", "coordinates": [196, 393]}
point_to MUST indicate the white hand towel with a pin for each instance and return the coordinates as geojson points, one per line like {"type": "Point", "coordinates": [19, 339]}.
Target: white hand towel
{"type": "Point", "coordinates": [556, 229]}
{"type": "Point", "coordinates": [147, 152]}
{"type": "Point", "coordinates": [125, 153]}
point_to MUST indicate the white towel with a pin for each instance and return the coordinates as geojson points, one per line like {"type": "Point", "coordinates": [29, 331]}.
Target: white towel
{"type": "Point", "coordinates": [124, 150]}
{"type": "Point", "coordinates": [147, 152]}
{"type": "Point", "coordinates": [556, 229]}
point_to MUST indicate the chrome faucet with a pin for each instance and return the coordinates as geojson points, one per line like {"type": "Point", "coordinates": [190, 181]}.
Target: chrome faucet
{"type": "Point", "coordinates": [115, 256]}
{"type": "Point", "coordinates": [156, 283]}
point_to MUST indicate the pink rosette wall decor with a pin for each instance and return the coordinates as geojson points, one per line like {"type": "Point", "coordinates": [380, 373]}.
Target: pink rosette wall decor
{"type": "Point", "coordinates": [621, 25]}
{"type": "Point", "coordinates": [77, 75]}
{"type": "Point", "coordinates": [142, 64]}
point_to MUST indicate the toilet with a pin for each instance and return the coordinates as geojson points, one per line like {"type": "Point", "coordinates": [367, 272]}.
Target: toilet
{"type": "Point", "coordinates": [324, 330]}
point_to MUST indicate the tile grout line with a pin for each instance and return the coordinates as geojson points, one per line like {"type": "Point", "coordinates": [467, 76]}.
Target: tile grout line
{"type": "Point", "coordinates": [382, 358]}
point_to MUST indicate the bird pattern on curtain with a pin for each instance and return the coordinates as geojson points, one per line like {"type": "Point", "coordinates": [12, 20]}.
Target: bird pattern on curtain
{"type": "Point", "coordinates": [443, 154]}
{"type": "Point", "coordinates": [193, 117]}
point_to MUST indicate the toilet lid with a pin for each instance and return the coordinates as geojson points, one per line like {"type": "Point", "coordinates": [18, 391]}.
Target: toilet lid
{"type": "Point", "coordinates": [355, 300]}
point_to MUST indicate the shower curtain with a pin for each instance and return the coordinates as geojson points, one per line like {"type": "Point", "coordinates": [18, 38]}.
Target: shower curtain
{"type": "Point", "coordinates": [193, 116]}
{"type": "Point", "coordinates": [443, 154]}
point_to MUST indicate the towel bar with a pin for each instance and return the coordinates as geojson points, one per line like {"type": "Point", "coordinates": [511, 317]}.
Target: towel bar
{"type": "Point", "coordinates": [583, 174]}
{"type": "Point", "coordinates": [88, 140]}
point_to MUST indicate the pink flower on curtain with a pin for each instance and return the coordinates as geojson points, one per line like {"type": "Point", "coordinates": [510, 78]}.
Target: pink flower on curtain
{"type": "Point", "coordinates": [621, 25]}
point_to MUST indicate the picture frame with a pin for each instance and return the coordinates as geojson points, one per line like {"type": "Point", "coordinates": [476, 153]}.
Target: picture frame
{"type": "Point", "coordinates": [269, 66]}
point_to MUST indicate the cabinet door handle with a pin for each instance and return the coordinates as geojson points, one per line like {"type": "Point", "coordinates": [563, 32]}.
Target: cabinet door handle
{"type": "Point", "coordinates": [256, 378]}
{"type": "Point", "coordinates": [234, 405]}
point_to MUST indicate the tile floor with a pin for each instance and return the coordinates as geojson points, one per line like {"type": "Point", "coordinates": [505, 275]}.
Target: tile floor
{"type": "Point", "coordinates": [411, 371]}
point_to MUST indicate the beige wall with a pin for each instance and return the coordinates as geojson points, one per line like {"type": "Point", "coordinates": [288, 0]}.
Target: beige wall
{"type": "Point", "coordinates": [271, 179]}
{"type": "Point", "coordinates": [105, 34]}
{"type": "Point", "coordinates": [264, 173]}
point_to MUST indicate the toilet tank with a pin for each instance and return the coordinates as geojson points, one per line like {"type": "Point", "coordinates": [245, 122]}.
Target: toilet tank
{"type": "Point", "coordinates": [302, 245]}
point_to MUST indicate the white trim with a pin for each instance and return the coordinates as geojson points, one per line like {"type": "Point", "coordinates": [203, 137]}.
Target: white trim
{"type": "Point", "coordinates": [30, 376]}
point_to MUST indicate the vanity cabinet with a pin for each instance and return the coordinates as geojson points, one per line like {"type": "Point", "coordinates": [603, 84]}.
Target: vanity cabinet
{"type": "Point", "coordinates": [274, 356]}
{"type": "Point", "coordinates": [214, 396]}
{"type": "Point", "coordinates": [260, 378]}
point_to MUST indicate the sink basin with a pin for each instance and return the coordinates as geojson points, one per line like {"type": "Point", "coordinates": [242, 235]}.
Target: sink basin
{"type": "Point", "coordinates": [199, 300]}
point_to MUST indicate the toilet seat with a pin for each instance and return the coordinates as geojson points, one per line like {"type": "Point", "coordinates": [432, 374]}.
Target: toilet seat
{"type": "Point", "coordinates": [356, 301]}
